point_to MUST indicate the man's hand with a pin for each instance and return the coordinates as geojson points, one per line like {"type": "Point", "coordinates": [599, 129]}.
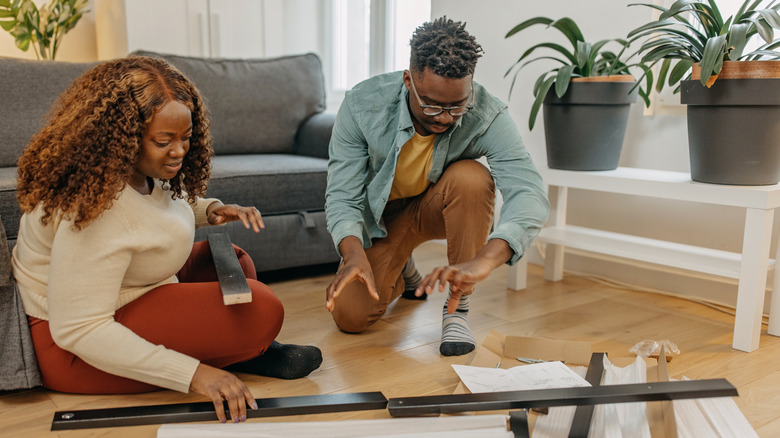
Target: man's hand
{"type": "Point", "coordinates": [464, 276]}
{"type": "Point", "coordinates": [220, 214]}
{"type": "Point", "coordinates": [219, 385]}
{"type": "Point", "coordinates": [461, 278]}
{"type": "Point", "coordinates": [355, 266]}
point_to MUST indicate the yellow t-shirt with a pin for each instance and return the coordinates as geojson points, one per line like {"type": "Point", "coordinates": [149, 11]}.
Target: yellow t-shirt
{"type": "Point", "coordinates": [414, 164]}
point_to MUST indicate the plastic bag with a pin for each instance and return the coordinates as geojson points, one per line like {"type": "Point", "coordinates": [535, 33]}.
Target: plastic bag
{"type": "Point", "coordinates": [648, 348]}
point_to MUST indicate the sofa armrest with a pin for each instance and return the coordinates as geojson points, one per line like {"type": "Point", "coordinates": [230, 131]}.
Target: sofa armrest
{"type": "Point", "coordinates": [313, 135]}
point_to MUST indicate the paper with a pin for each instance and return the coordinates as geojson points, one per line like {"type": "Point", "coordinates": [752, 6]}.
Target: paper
{"type": "Point", "coordinates": [535, 376]}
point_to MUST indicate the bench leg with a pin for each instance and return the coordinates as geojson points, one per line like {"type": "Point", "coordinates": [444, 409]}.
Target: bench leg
{"type": "Point", "coordinates": [752, 278]}
{"type": "Point", "coordinates": [553, 254]}
{"type": "Point", "coordinates": [774, 309]}
{"type": "Point", "coordinates": [517, 275]}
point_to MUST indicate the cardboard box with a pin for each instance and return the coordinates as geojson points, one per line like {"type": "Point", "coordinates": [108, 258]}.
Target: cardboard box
{"type": "Point", "coordinates": [501, 351]}
{"type": "Point", "coordinates": [505, 350]}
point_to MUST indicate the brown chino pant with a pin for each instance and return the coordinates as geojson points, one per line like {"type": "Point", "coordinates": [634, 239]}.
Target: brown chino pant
{"type": "Point", "coordinates": [458, 208]}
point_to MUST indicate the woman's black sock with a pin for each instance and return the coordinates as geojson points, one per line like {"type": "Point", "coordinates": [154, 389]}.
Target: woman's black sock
{"type": "Point", "coordinates": [283, 361]}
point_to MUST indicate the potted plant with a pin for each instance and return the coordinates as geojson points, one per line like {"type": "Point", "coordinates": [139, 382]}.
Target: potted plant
{"type": "Point", "coordinates": [733, 96]}
{"type": "Point", "coordinates": [43, 27]}
{"type": "Point", "coordinates": [586, 97]}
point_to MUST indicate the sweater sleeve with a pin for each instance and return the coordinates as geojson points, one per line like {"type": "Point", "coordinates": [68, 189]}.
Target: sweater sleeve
{"type": "Point", "coordinates": [201, 218]}
{"type": "Point", "coordinates": [85, 278]}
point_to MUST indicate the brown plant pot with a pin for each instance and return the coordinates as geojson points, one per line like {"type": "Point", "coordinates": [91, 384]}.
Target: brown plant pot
{"type": "Point", "coordinates": [734, 124]}
{"type": "Point", "coordinates": [584, 128]}
{"type": "Point", "coordinates": [741, 70]}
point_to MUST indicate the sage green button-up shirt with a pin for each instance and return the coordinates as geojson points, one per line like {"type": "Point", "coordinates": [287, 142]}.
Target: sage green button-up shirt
{"type": "Point", "coordinates": [372, 125]}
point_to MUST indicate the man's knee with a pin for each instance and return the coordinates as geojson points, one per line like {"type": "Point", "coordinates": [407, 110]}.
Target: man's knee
{"type": "Point", "coordinates": [469, 185]}
{"type": "Point", "coordinates": [351, 322]}
{"type": "Point", "coordinates": [470, 176]}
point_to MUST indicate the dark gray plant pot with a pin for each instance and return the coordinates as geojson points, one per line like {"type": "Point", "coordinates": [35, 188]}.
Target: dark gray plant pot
{"type": "Point", "coordinates": [734, 131]}
{"type": "Point", "coordinates": [584, 129]}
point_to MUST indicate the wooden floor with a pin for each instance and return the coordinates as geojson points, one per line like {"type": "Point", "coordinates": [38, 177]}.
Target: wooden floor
{"type": "Point", "coordinates": [399, 355]}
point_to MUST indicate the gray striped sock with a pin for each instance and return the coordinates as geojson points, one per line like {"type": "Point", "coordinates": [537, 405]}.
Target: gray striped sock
{"type": "Point", "coordinates": [456, 337]}
{"type": "Point", "coordinates": [411, 275]}
{"type": "Point", "coordinates": [412, 279]}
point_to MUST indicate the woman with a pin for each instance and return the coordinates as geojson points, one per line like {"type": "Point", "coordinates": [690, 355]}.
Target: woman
{"type": "Point", "coordinates": [118, 298]}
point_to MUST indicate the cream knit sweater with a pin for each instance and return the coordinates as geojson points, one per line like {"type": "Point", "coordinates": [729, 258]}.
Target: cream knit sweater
{"type": "Point", "coordinates": [77, 279]}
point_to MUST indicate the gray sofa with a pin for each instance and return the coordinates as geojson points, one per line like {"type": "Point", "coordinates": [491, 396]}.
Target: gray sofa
{"type": "Point", "coordinates": [270, 138]}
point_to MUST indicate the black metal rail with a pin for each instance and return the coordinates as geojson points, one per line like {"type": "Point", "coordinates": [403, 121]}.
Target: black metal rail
{"type": "Point", "coordinates": [204, 411]}
{"type": "Point", "coordinates": [541, 398]}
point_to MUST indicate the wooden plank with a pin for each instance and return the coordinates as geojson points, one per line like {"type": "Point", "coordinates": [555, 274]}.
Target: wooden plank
{"type": "Point", "coordinates": [540, 398]}
{"type": "Point", "coordinates": [461, 426]}
{"type": "Point", "coordinates": [667, 406]}
{"type": "Point", "coordinates": [235, 289]}
{"type": "Point", "coordinates": [204, 411]}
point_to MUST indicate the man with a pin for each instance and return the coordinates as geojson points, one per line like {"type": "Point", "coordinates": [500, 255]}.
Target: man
{"type": "Point", "coordinates": [402, 171]}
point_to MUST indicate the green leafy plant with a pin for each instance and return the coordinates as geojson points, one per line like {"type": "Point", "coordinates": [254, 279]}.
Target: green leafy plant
{"type": "Point", "coordinates": [44, 27]}
{"type": "Point", "coordinates": [582, 60]}
{"type": "Point", "coordinates": [694, 31]}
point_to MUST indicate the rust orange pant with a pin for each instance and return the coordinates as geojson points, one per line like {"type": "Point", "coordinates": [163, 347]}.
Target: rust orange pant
{"type": "Point", "coordinates": [458, 208]}
{"type": "Point", "coordinates": [187, 317]}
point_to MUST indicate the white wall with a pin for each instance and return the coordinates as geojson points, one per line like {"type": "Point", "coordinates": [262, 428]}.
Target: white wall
{"type": "Point", "coordinates": [656, 142]}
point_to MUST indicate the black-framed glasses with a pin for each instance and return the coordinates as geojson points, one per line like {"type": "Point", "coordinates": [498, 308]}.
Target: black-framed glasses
{"type": "Point", "coordinates": [435, 110]}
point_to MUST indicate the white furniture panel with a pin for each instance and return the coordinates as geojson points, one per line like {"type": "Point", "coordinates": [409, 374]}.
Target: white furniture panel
{"type": "Point", "coordinates": [203, 28]}
{"type": "Point", "coordinates": [750, 266]}
{"type": "Point", "coordinates": [236, 28]}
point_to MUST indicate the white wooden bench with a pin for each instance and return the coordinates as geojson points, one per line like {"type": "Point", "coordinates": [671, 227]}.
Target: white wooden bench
{"type": "Point", "coordinates": [750, 267]}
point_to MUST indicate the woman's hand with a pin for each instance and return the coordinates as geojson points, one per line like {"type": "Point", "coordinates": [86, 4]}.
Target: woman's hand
{"type": "Point", "coordinates": [221, 214]}
{"type": "Point", "coordinates": [219, 385]}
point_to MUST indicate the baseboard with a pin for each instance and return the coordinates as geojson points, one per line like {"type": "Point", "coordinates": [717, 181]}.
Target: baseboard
{"type": "Point", "coordinates": [719, 290]}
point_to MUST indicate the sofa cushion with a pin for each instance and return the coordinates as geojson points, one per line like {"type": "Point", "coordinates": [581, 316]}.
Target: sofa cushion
{"type": "Point", "coordinates": [274, 183]}
{"type": "Point", "coordinates": [28, 90]}
{"type": "Point", "coordinates": [284, 243]}
{"type": "Point", "coordinates": [256, 104]}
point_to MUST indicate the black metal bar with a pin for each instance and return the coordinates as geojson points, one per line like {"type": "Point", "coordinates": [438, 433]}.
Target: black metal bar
{"type": "Point", "coordinates": [518, 424]}
{"type": "Point", "coordinates": [204, 411]}
{"type": "Point", "coordinates": [235, 289]}
{"type": "Point", "coordinates": [583, 415]}
{"type": "Point", "coordinates": [638, 392]}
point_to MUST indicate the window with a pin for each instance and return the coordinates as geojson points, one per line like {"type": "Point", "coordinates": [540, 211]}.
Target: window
{"type": "Point", "coordinates": [369, 37]}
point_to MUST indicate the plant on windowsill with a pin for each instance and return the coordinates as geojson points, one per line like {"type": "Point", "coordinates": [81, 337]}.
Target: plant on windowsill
{"type": "Point", "coordinates": [733, 97]}
{"type": "Point", "coordinates": [585, 97]}
{"type": "Point", "coordinates": [42, 28]}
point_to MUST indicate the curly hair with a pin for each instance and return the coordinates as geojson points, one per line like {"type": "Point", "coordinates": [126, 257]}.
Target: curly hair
{"type": "Point", "coordinates": [445, 47]}
{"type": "Point", "coordinates": [80, 161]}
